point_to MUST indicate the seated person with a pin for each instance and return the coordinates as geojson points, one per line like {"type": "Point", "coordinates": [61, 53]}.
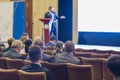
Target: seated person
{"type": "Point", "coordinates": [24, 37]}
{"type": "Point", "coordinates": [59, 47]}
{"type": "Point", "coordinates": [14, 52]}
{"type": "Point", "coordinates": [45, 57]}
{"type": "Point", "coordinates": [52, 41]}
{"type": "Point", "coordinates": [9, 41]}
{"type": "Point", "coordinates": [113, 65]}
{"type": "Point", "coordinates": [67, 56]}
{"type": "Point", "coordinates": [36, 57]}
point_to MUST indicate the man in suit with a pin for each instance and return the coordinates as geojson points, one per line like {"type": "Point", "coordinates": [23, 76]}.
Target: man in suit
{"type": "Point", "coordinates": [53, 16]}
{"type": "Point", "coordinates": [113, 64]}
{"type": "Point", "coordinates": [13, 53]}
{"type": "Point", "coordinates": [36, 57]}
{"type": "Point", "coordinates": [67, 56]}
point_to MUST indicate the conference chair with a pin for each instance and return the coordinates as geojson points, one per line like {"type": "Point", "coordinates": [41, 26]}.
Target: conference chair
{"type": "Point", "coordinates": [50, 52]}
{"type": "Point", "coordinates": [80, 72]}
{"type": "Point", "coordinates": [3, 64]}
{"type": "Point", "coordinates": [106, 73]}
{"type": "Point", "coordinates": [96, 55]}
{"type": "Point", "coordinates": [8, 74]}
{"type": "Point", "coordinates": [97, 66]}
{"type": "Point", "coordinates": [1, 53]}
{"type": "Point", "coordinates": [83, 54]}
{"type": "Point", "coordinates": [26, 62]}
{"type": "Point", "coordinates": [50, 47]}
{"type": "Point", "coordinates": [59, 71]}
{"type": "Point", "coordinates": [31, 75]}
{"type": "Point", "coordinates": [14, 63]}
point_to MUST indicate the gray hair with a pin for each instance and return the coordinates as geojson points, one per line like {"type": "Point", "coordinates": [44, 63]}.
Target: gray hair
{"type": "Point", "coordinates": [16, 44]}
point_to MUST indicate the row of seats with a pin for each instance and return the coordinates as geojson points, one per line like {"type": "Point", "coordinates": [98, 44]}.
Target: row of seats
{"type": "Point", "coordinates": [14, 74]}
{"type": "Point", "coordinates": [91, 55]}
{"type": "Point", "coordinates": [60, 71]}
{"type": "Point", "coordinates": [7, 63]}
{"type": "Point", "coordinates": [97, 51]}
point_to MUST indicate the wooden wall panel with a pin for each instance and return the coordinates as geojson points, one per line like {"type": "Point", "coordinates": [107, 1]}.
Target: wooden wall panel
{"type": "Point", "coordinates": [39, 8]}
{"type": "Point", "coordinates": [4, 0]}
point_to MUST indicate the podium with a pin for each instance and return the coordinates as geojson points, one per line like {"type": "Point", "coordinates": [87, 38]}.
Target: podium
{"type": "Point", "coordinates": [45, 33]}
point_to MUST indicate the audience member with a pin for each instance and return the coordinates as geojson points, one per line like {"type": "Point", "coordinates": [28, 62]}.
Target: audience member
{"type": "Point", "coordinates": [59, 47]}
{"type": "Point", "coordinates": [25, 50]}
{"type": "Point", "coordinates": [38, 41]}
{"type": "Point", "coordinates": [13, 53]}
{"type": "Point", "coordinates": [45, 57]}
{"type": "Point", "coordinates": [36, 57]}
{"type": "Point", "coordinates": [24, 37]}
{"type": "Point", "coordinates": [9, 41]}
{"type": "Point", "coordinates": [67, 56]}
{"type": "Point", "coordinates": [52, 41]}
{"type": "Point", "coordinates": [28, 43]}
{"type": "Point", "coordinates": [113, 64]}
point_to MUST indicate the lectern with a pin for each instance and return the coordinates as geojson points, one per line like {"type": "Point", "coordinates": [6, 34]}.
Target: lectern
{"type": "Point", "coordinates": [45, 29]}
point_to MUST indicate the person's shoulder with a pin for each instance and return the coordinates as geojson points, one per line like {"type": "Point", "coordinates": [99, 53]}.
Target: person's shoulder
{"type": "Point", "coordinates": [47, 12]}
{"type": "Point", "coordinates": [26, 67]}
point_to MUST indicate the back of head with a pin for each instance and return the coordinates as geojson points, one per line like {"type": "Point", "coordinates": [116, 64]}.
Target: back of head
{"type": "Point", "coordinates": [59, 44]}
{"type": "Point", "coordinates": [35, 53]}
{"type": "Point", "coordinates": [16, 44]}
{"type": "Point", "coordinates": [25, 34]}
{"type": "Point", "coordinates": [38, 41]}
{"type": "Point", "coordinates": [69, 46]}
{"type": "Point", "coordinates": [113, 64]}
{"type": "Point", "coordinates": [28, 42]}
{"type": "Point", "coordinates": [52, 38]}
{"type": "Point", "coordinates": [9, 41]}
{"type": "Point", "coordinates": [24, 37]}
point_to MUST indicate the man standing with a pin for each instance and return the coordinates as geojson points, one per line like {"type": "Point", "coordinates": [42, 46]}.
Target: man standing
{"type": "Point", "coordinates": [52, 24]}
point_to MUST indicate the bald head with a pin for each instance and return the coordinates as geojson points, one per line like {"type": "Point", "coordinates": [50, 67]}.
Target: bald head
{"type": "Point", "coordinates": [69, 46]}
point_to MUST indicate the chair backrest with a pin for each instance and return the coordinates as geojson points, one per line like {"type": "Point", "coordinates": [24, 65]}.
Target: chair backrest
{"type": "Point", "coordinates": [26, 62]}
{"type": "Point", "coordinates": [1, 53]}
{"type": "Point", "coordinates": [83, 54]}
{"type": "Point", "coordinates": [31, 75]}
{"type": "Point", "coordinates": [50, 47]}
{"type": "Point", "coordinates": [59, 71]}
{"type": "Point", "coordinates": [106, 73]}
{"type": "Point", "coordinates": [50, 52]}
{"type": "Point", "coordinates": [8, 74]}
{"type": "Point", "coordinates": [3, 64]}
{"type": "Point", "coordinates": [97, 55]}
{"type": "Point", "coordinates": [97, 66]}
{"type": "Point", "coordinates": [14, 63]}
{"type": "Point", "coordinates": [80, 72]}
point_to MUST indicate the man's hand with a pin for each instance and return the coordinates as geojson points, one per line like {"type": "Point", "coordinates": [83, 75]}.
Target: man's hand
{"type": "Point", "coordinates": [62, 17]}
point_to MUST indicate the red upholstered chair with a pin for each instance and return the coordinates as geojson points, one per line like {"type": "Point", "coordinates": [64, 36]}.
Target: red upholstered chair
{"type": "Point", "coordinates": [31, 75]}
{"type": "Point", "coordinates": [59, 71]}
{"type": "Point", "coordinates": [14, 63]}
{"type": "Point", "coordinates": [9, 74]}
{"type": "Point", "coordinates": [96, 55]}
{"type": "Point", "coordinates": [106, 74]}
{"type": "Point", "coordinates": [97, 66]}
{"type": "Point", "coordinates": [80, 72]}
{"type": "Point", "coordinates": [3, 64]}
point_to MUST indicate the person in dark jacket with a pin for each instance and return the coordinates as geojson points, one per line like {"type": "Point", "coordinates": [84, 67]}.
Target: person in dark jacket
{"type": "Point", "coordinates": [35, 56]}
